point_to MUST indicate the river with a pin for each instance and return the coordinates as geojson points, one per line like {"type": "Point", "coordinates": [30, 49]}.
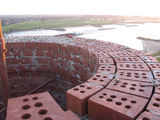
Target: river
{"type": "Point", "coordinates": [121, 34]}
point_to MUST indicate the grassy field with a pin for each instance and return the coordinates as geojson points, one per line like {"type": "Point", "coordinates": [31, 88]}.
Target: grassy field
{"type": "Point", "coordinates": [158, 59]}
{"type": "Point", "coordinates": [52, 24]}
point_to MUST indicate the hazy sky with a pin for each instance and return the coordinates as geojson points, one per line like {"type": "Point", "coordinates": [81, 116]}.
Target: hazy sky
{"type": "Point", "coordinates": [116, 7]}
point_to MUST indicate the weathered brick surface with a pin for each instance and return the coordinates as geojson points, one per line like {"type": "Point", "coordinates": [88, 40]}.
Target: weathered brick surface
{"type": "Point", "coordinates": [142, 76]}
{"type": "Point", "coordinates": [154, 104]}
{"type": "Point", "coordinates": [36, 107]}
{"type": "Point", "coordinates": [148, 116]}
{"type": "Point", "coordinates": [78, 96]}
{"type": "Point", "coordinates": [79, 60]}
{"type": "Point", "coordinates": [106, 69]}
{"type": "Point", "coordinates": [112, 105]}
{"type": "Point", "coordinates": [101, 79]}
{"type": "Point", "coordinates": [131, 87]}
{"type": "Point", "coordinates": [133, 66]}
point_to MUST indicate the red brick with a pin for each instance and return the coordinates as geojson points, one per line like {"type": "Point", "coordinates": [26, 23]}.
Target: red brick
{"type": "Point", "coordinates": [142, 76]}
{"type": "Point", "coordinates": [74, 50]}
{"type": "Point", "coordinates": [8, 61]}
{"type": "Point", "coordinates": [56, 83]}
{"type": "Point", "coordinates": [102, 55]}
{"type": "Point", "coordinates": [47, 74]}
{"type": "Point", "coordinates": [78, 59]}
{"type": "Point", "coordinates": [30, 45]}
{"type": "Point", "coordinates": [75, 66]}
{"type": "Point", "coordinates": [84, 52]}
{"type": "Point", "coordinates": [63, 71]}
{"type": "Point", "coordinates": [49, 53]}
{"type": "Point", "coordinates": [133, 66]}
{"type": "Point", "coordinates": [7, 54]}
{"type": "Point", "coordinates": [122, 54]}
{"type": "Point", "coordinates": [11, 68]}
{"type": "Point", "coordinates": [91, 56]}
{"type": "Point", "coordinates": [154, 103]}
{"type": "Point", "coordinates": [156, 74]}
{"type": "Point", "coordinates": [131, 87]}
{"type": "Point", "coordinates": [53, 61]}
{"type": "Point", "coordinates": [85, 62]}
{"type": "Point", "coordinates": [30, 60]}
{"type": "Point", "coordinates": [18, 45]}
{"type": "Point", "coordinates": [12, 75]}
{"type": "Point", "coordinates": [149, 59]}
{"type": "Point", "coordinates": [59, 55]}
{"type": "Point", "coordinates": [35, 74]}
{"type": "Point", "coordinates": [24, 74]}
{"type": "Point", "coordinates": [53, 46]}
{"type": "Point", "coordinates": [84, 70]}
{"type": "Point", "coordinates": [148, 116]}
{"type": "Point", "coordinates": [23, 80]}
{"type": "Point", "coordinates": [43, 68]}
{"type": "Point", "coordinates": [17, 61]}
{"type": "Point", "coordinates": [54, 69]}
{"type": "Point", "coordinates": [92, 67]}
{"type": "Point", "coordinates": [39, 53]}
{"type": "Point", "coordinates": [69, 56]}
{"type": "Point", "coordinates": [42, 60]}
{"type": "Point", "coordinates": [16, 53]}
{"type": "Point", "coordinates": [74, 74]}
{"type": "Point", "coordinates": [154, 66]}
{"type": "Point", "coordinates": [66, 78]}
{"type": "Point", "coordinates": [64, 48]}
{"type": "Point", "coordinates": [80, 95]}
{"type": "Point", "coordinates": [106, 69]}
{"type": "Point", "coordinates": [32, 67]}
{"type": "Point", "coordinates": [128, 60]}
{"type": "Point", "coordinates": [110, 104]}
{"type": "Point", "coordinates": [71, 115]}
{"type": "Point", "coordinates": [8, 46]}
{"type": "Point", "coordinates": [54, 111]}
{"type": "Point", "coordinates": [38, 80]}
{"type": "Point", "coordinates": [76, 81]}
{"type": "Point", "coordinates": [27, 53]}
{"type": "Point", "coordinates": [22, 68]}
{"type": "Point", "coordinates": [64, 63]}
{"type": "Point", "coordinates": [101, 79]}
{"type": "Point", "coordinates": [42, 46]}
{"type": "Point", "coordinates": [106, 61]}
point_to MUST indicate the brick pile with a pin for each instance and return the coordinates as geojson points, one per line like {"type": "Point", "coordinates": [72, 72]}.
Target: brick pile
{"type": "Point", "coordinates": [105, 80]}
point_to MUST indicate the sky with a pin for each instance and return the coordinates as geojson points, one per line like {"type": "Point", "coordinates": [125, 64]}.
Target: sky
{"type": "Point", "coordinates": [91, 7]}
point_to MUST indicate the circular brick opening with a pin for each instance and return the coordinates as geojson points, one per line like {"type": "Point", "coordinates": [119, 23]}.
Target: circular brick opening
{"type": "Point", "coordinates": [145, 118]}
{"type": "Point", "coordinates": [26, 116]}
{"type": "Point", "coordinates": [42, 112]}
{"type": "Point", "coordinates": [38, 104]}
{"type": "Point", "coordinates": [26, 107]}
{"type": "Point", "coordinates": [25, 100]}
{"type": "Point", "coordinates": [35, 98]}
{"type": "Point", "coordinates": [47, 118]}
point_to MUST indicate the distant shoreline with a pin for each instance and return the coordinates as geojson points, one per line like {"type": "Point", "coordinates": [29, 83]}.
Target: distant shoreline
{"type": "Point", "coordinates": [143, 38]}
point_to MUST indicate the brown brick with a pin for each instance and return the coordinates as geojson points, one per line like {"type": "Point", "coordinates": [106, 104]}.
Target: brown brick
{"type": "Point", "coordinates": [30, 60]}
{"type": "Point", "coordinates": [64, 48]}
{"type": "Point", "coordinates": [53, 46]}
{"type": "Point", "coordinates": [16, 53]}
{"type": "Point", "coordinates": [64, 63]}
{"type": "Point", "coordinates": [39, 53]}
{"type": "Point", "coordinates": [17, 61]}
{"type": "Point", "coordinates": [18, 45]}
{"type": "Point", "coordinates": [8, 46]}
{"type": "Point", "coordinates": [24, 74]}
{"type": "Point", "coordinates": [30, 45]}
{"type": "Point", "coordinates": [22, 68]}
{"type": "Point", "coordinates": [35, 74]}
{"type": "Point", "coordinates": [49, 53]}
{"type": "Point", "coordinates": [32, 67]}
{"type": "Point", "coordinates": [74, 50]}
{"type": "Point", "coordinates": [59, 55]}
{"type": "Point", "coordinates": [42, 60]}
{"type": "Point", "coordinates": [11, 69]}
{"type": "Point", "coordinates": [54, 69]}
{"type": "Point", "coordinates": [27, 53]}
{"type": "Point", "coordinates": [12, 75]}
{"type": "Point", "coordinates": [42, 46]}
{"type": "Point", "coordinates": [43, 68]}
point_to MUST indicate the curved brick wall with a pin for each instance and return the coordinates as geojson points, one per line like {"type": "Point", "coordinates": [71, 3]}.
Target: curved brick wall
{"type": "Point", "coordinates": [102, 79]}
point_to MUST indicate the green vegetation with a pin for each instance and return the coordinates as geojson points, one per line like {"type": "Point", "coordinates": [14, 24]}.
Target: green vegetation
{"type": "Point", "coordinates": [53, 24]}
{"type": "Point", "coordinates": [156, 54]}
{"type": "Point", "coordinates": [158, 59]}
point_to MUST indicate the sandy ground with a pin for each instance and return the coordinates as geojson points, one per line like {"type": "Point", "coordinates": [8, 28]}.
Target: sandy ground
{"type": "Point", "coordinates": [150, 47]}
